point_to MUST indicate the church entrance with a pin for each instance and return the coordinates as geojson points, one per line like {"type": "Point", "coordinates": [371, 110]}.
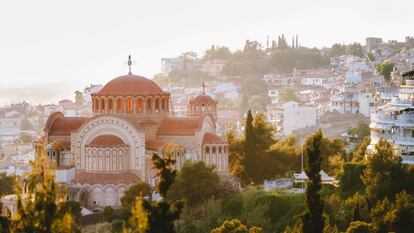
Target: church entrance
{"type": "Point", "coordinates": [84, 198]}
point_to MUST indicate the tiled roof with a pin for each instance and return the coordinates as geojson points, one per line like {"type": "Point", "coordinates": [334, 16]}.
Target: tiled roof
{"type": "Point", "coordinates": [155, 144]}
{"type": "Point", "coordinates": [130, 85]}
{"type": "Point", "coordinates": [180, 126]}
{"type": "Point", "coordinates": [66, 125]}
{"type": "Point", "coordinates": [104, 178]}
{"type": "Point", "coordinates": [203, 98]}
{"type": "Point", "coordinates": [212, 138]}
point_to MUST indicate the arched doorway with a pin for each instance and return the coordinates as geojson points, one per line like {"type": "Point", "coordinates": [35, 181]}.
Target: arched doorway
{"type": "Point", "coordinates": [84, 198]}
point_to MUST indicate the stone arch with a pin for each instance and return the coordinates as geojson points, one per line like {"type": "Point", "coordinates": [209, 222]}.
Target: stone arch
{"type": "Point", "coordinates": [83, 197]}
{"type": "Point", "coordinates": [139, 105]}
{"type": "Point", "coordinates": [116, 126]}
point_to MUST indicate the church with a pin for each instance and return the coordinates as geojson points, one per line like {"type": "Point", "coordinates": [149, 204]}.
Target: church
{"type": "Point", "coordinates": [97, 158]}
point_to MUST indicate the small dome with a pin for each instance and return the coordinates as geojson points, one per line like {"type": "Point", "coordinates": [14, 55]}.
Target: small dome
{"type": "Point", "coordinates": [106, 140]}
{"type": "Point", "coordinates": [203, 99]}
{"type": "Point", "coordinates": [130, 85]}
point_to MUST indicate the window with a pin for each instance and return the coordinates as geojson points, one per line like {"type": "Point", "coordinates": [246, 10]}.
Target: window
{"type": "Point", "coordinates": [139, 105]}
{"type": "Point", "coordinates": [207, 149]}
{"type": "Point", "coordinates": [119, 104]}
{"type": "Point", "coordinates": [129, 104]}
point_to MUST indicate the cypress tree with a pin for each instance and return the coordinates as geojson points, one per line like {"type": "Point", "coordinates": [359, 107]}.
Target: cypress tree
{"type": "Point", "coordinates": [313, 220]}
{"type": "Point", "coordinates": [249, 148]}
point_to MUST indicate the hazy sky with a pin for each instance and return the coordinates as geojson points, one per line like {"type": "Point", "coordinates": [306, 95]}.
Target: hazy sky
{"type": "Point", "coordinates": [69, 44]}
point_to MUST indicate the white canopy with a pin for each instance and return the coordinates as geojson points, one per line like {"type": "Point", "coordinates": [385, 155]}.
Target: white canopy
{"type": "Point", "coordinates": [324, 176]}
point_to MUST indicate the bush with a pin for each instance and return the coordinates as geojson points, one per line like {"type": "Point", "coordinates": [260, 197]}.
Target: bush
{"type": "Point", "coordinates": [117, 226]}
{"type": "Point", "coordinates": [72, 207]}
{"type": "Point", "coordinates": [359, 227]}
{"type": "Point", "coordinates": [108, 214]}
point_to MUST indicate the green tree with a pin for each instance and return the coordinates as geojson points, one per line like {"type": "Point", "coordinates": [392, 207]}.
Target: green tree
{"type": "Point", "coordinates": [37, 212]}
{"type": "Point", "coordinates": [385, 69]}
{"type": "Point", "coordinates": [384, 175]}
{"type": "Point", "coordinates": [6, 184]}
{"type": "Point", "coordinates": [359, 227]}
{"type": "Point", "coordinates": [163, 213]}
{"type": "Point", "coordinates": [337, 50]}
{"type": "Point", "coordinates": [355, 49]}
{"type": "Point", "coordinates": [235, 226]}
{"type": "Point", "coordinates": [196, 183]}
{"type": "Point", "coordinates": [138, 222]}
{"type": "Point", "coordinates": [313, 219]}
{"type": "Point", "coordinates": [139, 189]}
{"type": "Point", "coordinates": [288, 94]}
{"type": "Point", "coordinates": [350, 181]}
{"type": "Point", "coordinates": [358, 155]}
{"type": "Point", "coordinates": [250, 156]}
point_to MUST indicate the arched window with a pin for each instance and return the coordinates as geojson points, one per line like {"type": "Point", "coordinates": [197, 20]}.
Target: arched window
{"type": "Point", "coordinates": [207, 149]}
{"type": "Point", "coordinates": [130, 105]}
{"type": "Point", "coordinates": [139, 105]}
{"type": "Point", "coordinates": [119, 105]}
{"type": "Point", "coordinates": [102, 105]}
{"type": "Point", "coordinates": [219, 149]}
{"type": "Point", "coordinates": [214, 149]}
{"type": "Point", "coordinates": [149, 105]}
{"type": "Point", "coordinates": [110, 103]}
{"type": "Point", "coordinates": [157, 107]}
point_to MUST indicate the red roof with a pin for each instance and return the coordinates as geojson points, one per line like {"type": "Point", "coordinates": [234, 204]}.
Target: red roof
{"type": "Point", "coordinates": [130, 85]}
{"type": "Point", "coordinates": [180, 126]}
{"type": "Point", "coordinates": [66, 125]}
{"type": "Point", "coordinates": [107, 140]}
{"type": "Point", "coordinates": [104, 178]}
{"type": "Point", "coordinates": [155, 144]}
{"type": "Point", "coordinates": [212, 138]}
{"type": "Point", "coordinates": [203, 99]}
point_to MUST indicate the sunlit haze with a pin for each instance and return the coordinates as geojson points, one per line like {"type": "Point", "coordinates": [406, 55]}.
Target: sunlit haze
{"type": "Point", "coordinates": [66, 45]}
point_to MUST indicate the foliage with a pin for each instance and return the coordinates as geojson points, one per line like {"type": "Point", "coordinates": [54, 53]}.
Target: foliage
{"type": "Point", "coordinates": [163, 213]}
{"type": "Point", "coordinates": [65, 225]}
{"type": "Point", "coordinates": [361, 131]}
{"type": "Point", "coordinates": [37, 211]}
{"type": "Point", "coordinates": [359, 227]}
{"type": "Point", "coordinates": [288, 94]}
{"type": "Point", "coordinates": [108, 213]}
{"type": "Point", "coordinates": [385, 69]}
{"type": "Point", "coordinates": [138, 223]}
{"type": "Point", "coordinates": [196, 183]}
{"type": "Point", "coordinates": [235, 226]}
{"type": "Point", "coordinates": [355, 49]}
{"type": "Point", "coordinates": [285, 60]}
{"type": "Point", "coordinates": [254, 94]}
{"type": "Point", "coordinates": [313, 220]}
{"type": "Point", "coordinates": [138, 189]}
{"type": "Point", "coordinates": [250, 156]}
{"type": "Point", "coordinates": [217, 52]}
{"type": "Point", "coordinates": [350, 181]}
{"type": "Point", "coordinates": [358, 155]}
{"type": "Point", "coordinates": [165, 172]}
{"type": "Point", "coordinates": [72, 207]}
{"type": "Point", "coordinates": [337, 50]}
{"type": "Point", "coordinates": [384, 175]}
{"type": "Point", "coordinates": [117, 226]}
{"type": "Point", "coordinates": [6, 184]}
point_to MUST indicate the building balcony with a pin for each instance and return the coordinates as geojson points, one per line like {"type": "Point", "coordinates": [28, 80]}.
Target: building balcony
{"type": "Point", "coordinates": [404, 121]}
{"type": "Point", "coordinates": [378, 117]}
{"type": "Point", "coordinates": [403, 140]}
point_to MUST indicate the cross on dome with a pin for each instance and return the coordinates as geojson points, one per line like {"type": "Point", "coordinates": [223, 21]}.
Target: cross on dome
{"type": "Point", "coordinates": [129, 64]}
{"type": "Point", "coordinates": [204, 87]}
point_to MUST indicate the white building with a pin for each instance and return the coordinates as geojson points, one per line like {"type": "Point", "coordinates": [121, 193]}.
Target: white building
{"type": "Point", "coordinates": [88, 91]}
{"type": "Point", "coordinates": [394, 121]}
{"type": "Point", "coordinates": [353, 102]}
{"type": "Point", "coordinates": [291, 116]}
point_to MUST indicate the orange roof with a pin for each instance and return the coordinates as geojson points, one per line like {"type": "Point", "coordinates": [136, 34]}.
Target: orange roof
{"type": "Point", "coordinates": [130, 85]}
{"type": "Point", "coordinates": [212, 138]}
{"type": "Point", "coordinates": [107, 140]}
{"type": "Point", "coordinates": [104, 178]}
{"type": "Point", "coordinates": [66, 125]}
{"type": "Point", "coordinates": [180, 126]}
{"type": "Point", "coordinates": [154, 144]}
{"type": "Point", "coordinates": [203, 98]}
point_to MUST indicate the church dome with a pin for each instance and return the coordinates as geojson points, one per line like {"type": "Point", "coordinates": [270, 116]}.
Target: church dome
{"type": "Point", "coordinates": [203, 99]}
{"type": "Point", "coordinates": [130, 85]}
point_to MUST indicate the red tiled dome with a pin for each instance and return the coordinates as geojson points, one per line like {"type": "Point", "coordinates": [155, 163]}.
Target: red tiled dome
{"type": "Point", "coordinates": [202, 99]}
{"type": "Point", "coordinates": [130, 85]}
{"type": "Point", "coordinates": [106, 140]}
